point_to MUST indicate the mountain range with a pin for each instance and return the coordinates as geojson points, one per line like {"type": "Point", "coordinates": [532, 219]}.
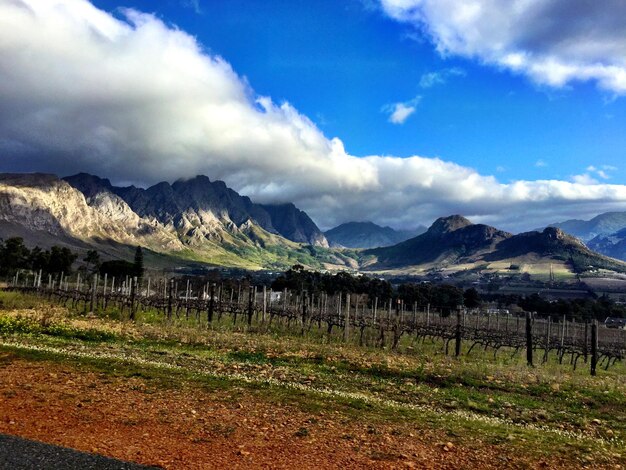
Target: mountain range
{"type": "Point", "coordinates": [368, 235]}
{"type": "Point", "coordinates": [455, 241]}
{"type": "Point", "coordinates": [192, 220]}
{"type": "Point", "coordinates": [203, 221]}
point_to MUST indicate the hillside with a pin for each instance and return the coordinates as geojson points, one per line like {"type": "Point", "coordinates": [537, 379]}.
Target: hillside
{"type": "Point", "coordinates": [455, 241]}
{"type": "Point", "coordinates": [368, 235]}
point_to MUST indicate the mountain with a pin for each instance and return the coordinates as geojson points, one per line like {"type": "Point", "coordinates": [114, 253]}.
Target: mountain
{"type": "Point", "coordinates": [447, 241]}
{"type": "Point", "coordinates": [603, 224]}
{"type": "Point", "coordinates": [368, 235]}
{"type": "Point", "coordinates": [199, 209]}
{"type": "Point", "coordinates": [295, 225]}
{"type": "Point", "coordinates": [46, 210]}
{"type": "Point", "coordinates": [186, 222]}
{"type": "Point", "coordinates": [613, 245]}
{"type": "Point", "coordinates": [455, 240]}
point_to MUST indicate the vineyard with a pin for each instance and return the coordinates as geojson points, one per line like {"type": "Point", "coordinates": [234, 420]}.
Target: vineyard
{"type": "Point", "coordinates": [356, 318]}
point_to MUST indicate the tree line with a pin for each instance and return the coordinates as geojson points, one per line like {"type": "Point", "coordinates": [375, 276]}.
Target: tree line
{"type": "Point", "coordinates": [444, 297]}
{"type": "Point", "coordinates": [16, 256]}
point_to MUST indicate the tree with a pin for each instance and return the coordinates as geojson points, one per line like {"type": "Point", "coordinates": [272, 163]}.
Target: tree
{"type": "Point", "coordinates": [117, 268]}
{"type": "Point", "coordinates": [138, 268]}
{"type": "Point", "coordinates": [61, 260]}
{"type": "Point", "coordinates": [13, 256]}
{"type": "Point", "coordinates": [471, 299]}
{"type": "Point", "coordinates": [93, 260]}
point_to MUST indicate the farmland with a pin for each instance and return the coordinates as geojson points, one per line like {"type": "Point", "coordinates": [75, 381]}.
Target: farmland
{"type": "Point", "coordinates": [414, 406]}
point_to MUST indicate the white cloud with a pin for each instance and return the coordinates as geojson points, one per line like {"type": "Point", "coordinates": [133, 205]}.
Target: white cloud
{"type": "Point", "coordinates": [136, 100]}
{"type": "Point", "coordinates": [584, 178]}
{"type": "Point", "coordinates": [553, 42]}
{"type": "Point", "coordinates": [541, 164]}
{"type": "Point", "coordinates": [400, 112]}
{"type": "Point", "coordinates": [602, 172]}
{"type": "Point", "coordinates": [431, 79]}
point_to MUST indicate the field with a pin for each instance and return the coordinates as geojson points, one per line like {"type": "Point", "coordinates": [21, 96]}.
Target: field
{"type": "Point", "coordinates": [181, 394]}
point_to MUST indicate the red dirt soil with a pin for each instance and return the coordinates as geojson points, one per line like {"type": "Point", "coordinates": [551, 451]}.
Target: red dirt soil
{"type": "Point", "coordinates": [190, 427]}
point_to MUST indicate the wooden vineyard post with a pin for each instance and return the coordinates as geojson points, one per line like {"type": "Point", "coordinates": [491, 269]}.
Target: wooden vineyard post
{"type": "Point", "coordinates": [305, 301]}
{"type": "Point", "coordinates": [211, 303]}
{"type": "Point", "coordinates": [458, 335]}
{"type": "Point", "coordinates": [94, 286]}
{"type": "Point", "coordinates": [586, 341]}
{"type": "Point", "coordinates": [250, 309]}
{"type": "Point", "coordinates": [562, 348]}
{"type": "Point", "coordinates": [346, 328]}
{"type": "Point", "coordinates": [547, 348]}
{"type": "Point", "coordinates": [594, 347]}
{"type": "Point", "coordinates": [264, 304]}
{"type": "Point", "coordinates": [170, 294]}
{"type": "Point", "coordinates": [529, 339]}
{"type": "Point", "coordinates": [133, 294]}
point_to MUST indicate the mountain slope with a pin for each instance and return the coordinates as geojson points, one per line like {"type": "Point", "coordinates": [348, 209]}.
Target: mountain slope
{"type": "Point", "coordinates": [455, 240]}
{"type": "Point", "coordinates": [367, 235]}
{"type": "Point", "coordinates": [45, 203]}
{"type": "Point", "coordinates": [199, 208]}
{"type": "Point", "coordinates": [603, 224]}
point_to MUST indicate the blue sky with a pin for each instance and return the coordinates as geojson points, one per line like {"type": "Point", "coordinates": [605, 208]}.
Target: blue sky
{"type": "Point", "coordinates": [341, 62]}
{"type": "Point", "coordinates": [394, 111]}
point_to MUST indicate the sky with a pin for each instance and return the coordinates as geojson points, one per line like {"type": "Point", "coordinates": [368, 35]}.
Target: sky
{"type": "Point", "coordinates": [396, 111]}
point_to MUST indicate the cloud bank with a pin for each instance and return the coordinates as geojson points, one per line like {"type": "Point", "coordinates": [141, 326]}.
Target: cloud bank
{"type": "Point", "coordinates": [136, 100]}
{"type": "Point", "coordinates": [554, 42]}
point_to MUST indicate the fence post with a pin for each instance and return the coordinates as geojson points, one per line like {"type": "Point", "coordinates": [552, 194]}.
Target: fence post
{"type": "Point", "coordinates": [169, 299]}
{"type": "Point", "coordinates": [264, 303]}
{"type": "Point", "coordinates": [211, 303]}
{"type": "Point", "coordinates": [547, 348]}
{"type": "Point", "coordinates": [93, 292]}
{"type": "Point", "coordinates": [250, 309]}
{"type": "Point", "coordinates": [594, 347]}
{"type": "Point", "coordinates": [586, 341]}
{"type": "Point", "coordinates": [133, 294]}
{"type": "Point", "coordinates": [305, 303]}
{"type": "Point", "coordinates": [529, 339]}
{"type": "Point", "coordinates": [458, 335]}
{"type": "Point", "coordinates": [346, 329]}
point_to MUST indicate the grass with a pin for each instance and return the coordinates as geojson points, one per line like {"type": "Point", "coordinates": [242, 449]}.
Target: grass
{"type": "Point", "coordinates": [536, 410]}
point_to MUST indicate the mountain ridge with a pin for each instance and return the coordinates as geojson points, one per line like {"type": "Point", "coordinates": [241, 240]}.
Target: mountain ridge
{"type": "Point", "coordinates": [367, 235]}
{"type": "Point", "coordinates": [198, 205]}
{"type": "Point", "coordinates": [455, 240]}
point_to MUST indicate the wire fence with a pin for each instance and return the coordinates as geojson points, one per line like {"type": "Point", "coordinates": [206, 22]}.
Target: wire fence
{"type": "Point", "coordinates": [358, 316]}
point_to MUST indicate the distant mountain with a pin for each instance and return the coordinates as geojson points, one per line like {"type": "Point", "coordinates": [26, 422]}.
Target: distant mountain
{"type": "Point", "coordinates": [368, 235]}
{"type": "Point", "coordinates": [198, 209]}
{"type": "Point", "coordinates": [455, 240]}
{"type": "Point", "coordinates": [613, 245]}
{"type": "Point", "coordinates": [603, 224]}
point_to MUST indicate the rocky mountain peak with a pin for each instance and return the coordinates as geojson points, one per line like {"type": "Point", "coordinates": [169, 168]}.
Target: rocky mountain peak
{"type": "Point", "coordinates": [448, 224]}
